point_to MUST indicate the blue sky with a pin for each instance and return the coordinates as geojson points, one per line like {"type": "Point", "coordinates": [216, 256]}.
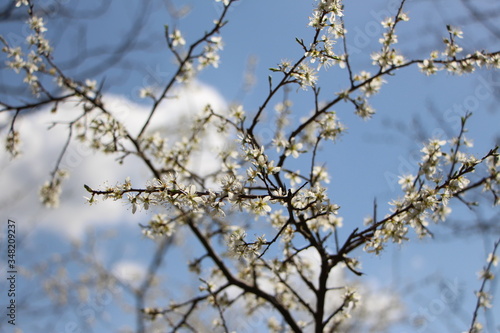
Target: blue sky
{"type": "Point", "coordinates": [362, 164]}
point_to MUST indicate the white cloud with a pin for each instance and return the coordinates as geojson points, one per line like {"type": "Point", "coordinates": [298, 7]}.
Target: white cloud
{"type": "Point", "coordinates": [22, 177]}
{"type": "Point", "coordinates": [377, 309]}
{"type": "Point", "coordinates": [129, 272]}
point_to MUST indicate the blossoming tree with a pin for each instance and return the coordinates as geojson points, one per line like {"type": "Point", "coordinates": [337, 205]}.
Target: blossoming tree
{"type": "Point", "coordinates": [257, 219]}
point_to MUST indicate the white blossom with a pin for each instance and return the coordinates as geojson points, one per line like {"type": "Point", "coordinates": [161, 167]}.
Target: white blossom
{"type": "Point", "coordinates": [177, 38]}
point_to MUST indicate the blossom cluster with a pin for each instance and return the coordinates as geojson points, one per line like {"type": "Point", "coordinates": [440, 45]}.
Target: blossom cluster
{"type": "Point", "coordinates": [209, 56]}
{"type": "Point", "coordinates": [13, 143]}
{"type": "Point", "coordinates": [160, 226]}
{"type": "Point", "coordinates": [427, 194]}
{"type": "Point", "coordinates": [302, 74]}
{"type": "Point", "coordinates": [326, 14]}
{"type": "Point", "coordinates": [453, 61]}
{"type": "Point", "coordinates": [30, 59]}
{"type": "Point", "coordinates": [51, 190]}
{"type": "Point", "coordinates": [237, 246]}
{"type": "Point", "coordinates": [388, 56]}
{"type": "Point", "coordinates": [484, 298]}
